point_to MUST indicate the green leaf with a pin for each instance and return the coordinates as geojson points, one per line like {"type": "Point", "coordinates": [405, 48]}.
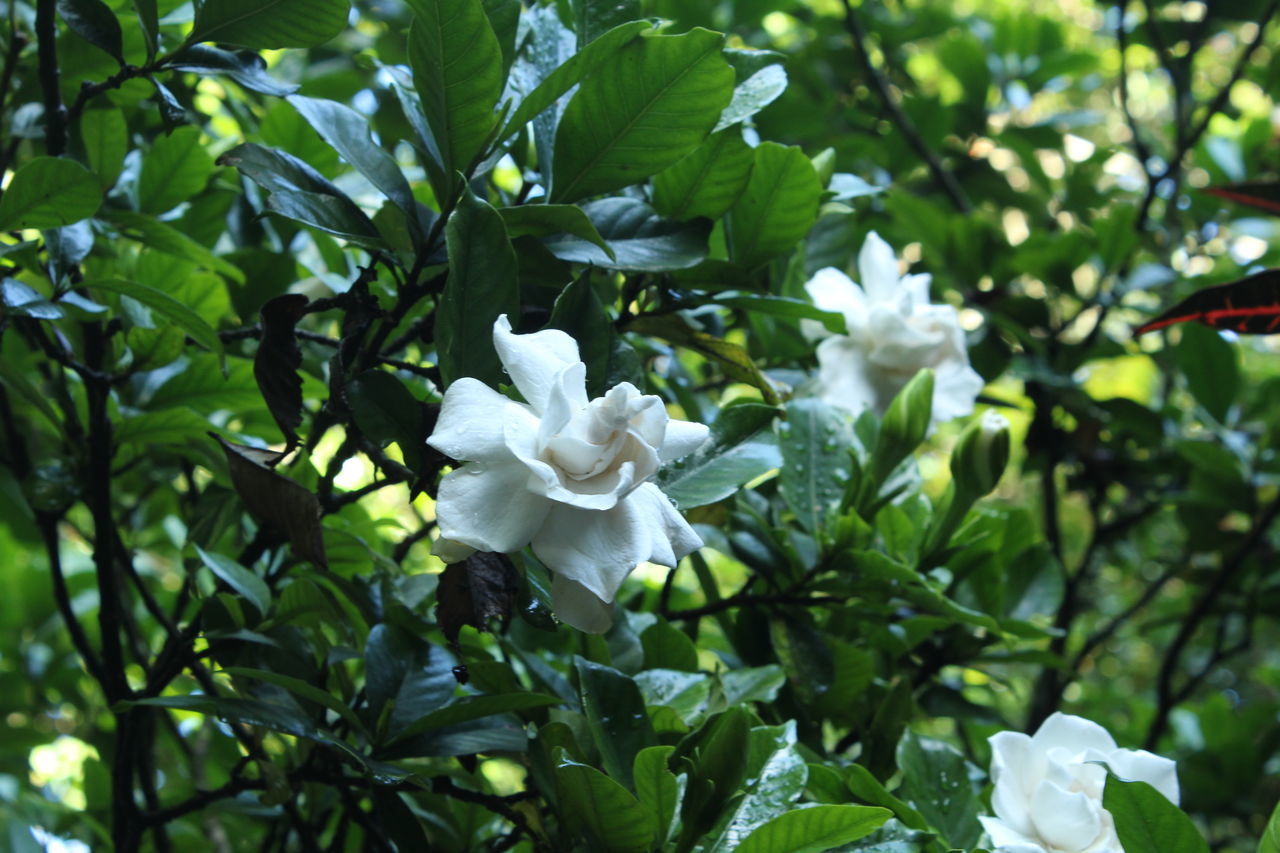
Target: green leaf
{"type": "Point", "coordinates": [504, 18]}
{"type": "Point", "coordinates": [936, 780]}
{"type": "Point", "coordinates": [815, 829]}
{"type": "Point", "coordinates": [1211, 366]}
{"type": "Point", "coordinates": [244, 67]}
{"type": "Point", "coordinates": [329, 214]}
{"type": "Point", "coordinates": [482, 285]}
{"type": "Point", "coordinates": [21, 300]}
{"type": "Point", "coordinates": [201, 386]}
{"type": "Point", "coordinates": [94, 22]}
{"type": "Point", "coordinates": [1146, 822]}
{"type": "Point", "coordinates": [300, 688]}
{"type": "Point", "coordinates": [169, 240]}
{"type": "Point", "coordinates": [754, 94]}
{"type": "Point", "coordinates": [570, 73]}
{"type": "Point", "coordinates": [144, 432]}
{"type": "Point", "coordinates": [733, 359]}
{"type": "Point", "coordinates": [243, 581]}
{"type": "Point", "coordinates": [658, 789]}
{"type": "Point", "coordinates": [106, 141]}
{"type": "Point", "coordinates": [707, 181]}
{"type": "Point", "coordinates": [348, 132]}
{"type": "Point", "coordinates": [579, 311]}
{"type": "Point", "coordinates": [777, 207]}
{"type": "Point", "coordinates": [592, 18]}
{"type": "Point", "coordinates": [717, 754]}
{"type": "Point", "coordinates": [776, 775]}
{"type": "Point", "coordinates": [269, 24]}
{"type": "Point", "coordinates": [816, 467]}
{"type": "Point", "coordinates": [385, 411]}
{"type": "Point", "coordinates": [651, 105]}
{"type": "Point", "coordinates": [667, 647]}
{"type": "Point", "coordinates": [615, 715]}
{"type": "Point", "coordinates": [780, 306]}
{"type": "Point", "coordinates": [457, 70]}
{"type": "Point", "coordinates": [474, 708]}
{"type": "Point", "coordinates": [639, 239]}
{"type": "Point", "coordinates": [594, 804]}
{"type": "Point", "coordinates": [165, 305]}
{"type": "Point", "coordinates": [149, 18]}
{"type": "Point", "coordinates": [868, 789]}
{"type": "Point", "coordinates": [176, 168]}
{"type": "Point", "coordinates": [49, 192]}
{"type": "Point", "coordinates": [542, 220]}
{"type": "Point", "coordinates": [740, 449]}
{"type": "Point", "coordinates": [1270, 842]}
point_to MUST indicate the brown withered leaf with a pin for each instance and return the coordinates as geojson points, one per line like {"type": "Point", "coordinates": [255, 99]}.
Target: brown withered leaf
{"type": "Point", "coordinates": [275, 501]}
{"type": "Point", "coordinates": [474, 591]}
{"type": "Point", "coordinates": [276, 363]}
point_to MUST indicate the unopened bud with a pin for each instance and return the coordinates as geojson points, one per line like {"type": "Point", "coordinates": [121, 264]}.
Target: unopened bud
{"type": "Point", "coordinates": [981, 454]}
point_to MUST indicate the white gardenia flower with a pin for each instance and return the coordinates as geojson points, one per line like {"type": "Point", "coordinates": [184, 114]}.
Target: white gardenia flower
{"type": "Point", "coordinates": [562, 473]}
{"type": "Point", "coordinates": [1048, 790]}
{"type": "Point", "coordinates": [893, 332]}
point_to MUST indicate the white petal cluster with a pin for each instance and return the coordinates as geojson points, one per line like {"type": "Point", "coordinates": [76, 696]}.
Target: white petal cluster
{"type": "Point", "coordinates": [1048, 787]}
{"type": "Point", "coordinates": [561, 473]}
{"type": "Point", "coordinates": [893, 332]}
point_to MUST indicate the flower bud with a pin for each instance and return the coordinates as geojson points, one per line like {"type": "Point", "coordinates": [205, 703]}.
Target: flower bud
{"type": "Point", "coordinates": [905, 424]}
{"type": "Point", "coordinates": [981, 454]}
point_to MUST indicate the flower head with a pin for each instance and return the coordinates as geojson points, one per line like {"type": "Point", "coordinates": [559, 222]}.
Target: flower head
{"type": "Point", "coordinates": [1048, 787]}
{"type": "Point", "coordinates": [893, 332]}
{"type": "Point", "coordinates": [564, 474]}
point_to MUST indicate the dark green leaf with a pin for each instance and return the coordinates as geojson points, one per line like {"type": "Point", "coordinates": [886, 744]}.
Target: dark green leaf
{"type": "Point", "coordinates": [592, 18]}
{"type": "Point", "coordinates": [815, 829]}
{"type": "Point", "coordinates": [597, 805]}
{"type": "Point", "coordinates": [164, 304]}
{"type": "Point", "coordinates": [385, 411]}
{"type": "Point", "coordinates": [740, 449]}
{"type": "Point", "coordinates": [579, 312]}
{"type": "Point", "coordinates": [106, 141]}
{"type": "Point", "coordinates": [49, 192]}
{"type": "Point", "coordinates": [1212, 368]}
{"type": "Point", "coordinates": [777, 207]}
{"type": "Point", "coordinates": [615, 715]}
{"type": "Point", "coordinates": [165, 238]}
{"type": "Point", "coordinates": [474, 708]}
{"type": "Point", "coordinates": [776, 775]}
{"type": "Point", "coordinates": [667, 647]}
{"type": "Point", "coordinates": [294, 685]}
{"type": "Point", "coordinates": [269, 24]}
{"type": "Point", "coordinates": [651, 105]}
{"type": "Point", "coordinates": [236, 576]}
{"type": "Point", "coordinates": [542, 220]}
{"type": "Point", "coordinates": [814, 439]}
{"type": "Point", "coordinates": [1146, 822]}
{"type": "Point", "coordinates": [780, 306]}
{"type": "Point", "coordinates": [94, 22]}
{"type": "Point", "coordinates": [176, 168]}
{"type": "Point", "coordinates": [658, 789]}
{"type": "Point", "coordinates": [936, 779]}
{"type": "Point", "coordinates": [20, 300]}
{"type": "Point", "coordinates": [244, 67]}
{"type": "Point", "coordinates": [482, 285]}
{"type": "Point", "coordinates": [457, 70]}
{"type": "Point", "coordinates": [331, 214]}
{"type": "Point", "coordinates": [640, 239]}
{"type": "Point", "coordinates": [707, 181]}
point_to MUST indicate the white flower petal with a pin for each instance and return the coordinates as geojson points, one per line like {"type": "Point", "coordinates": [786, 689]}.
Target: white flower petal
{"type": "Point", "coordinates": [681, 439]}
{"type": "Point", "coordinates": [576, 606]}
{"type": "Point", "coordinates": [470, 423]}
{"type": "Point", "coordinates": [917, 288]}
{"type": "Point", "coordinates": [1138, 765]}
{"type": "Point", "coordinates": [534, 360]}
{"type": "Point", "coordinates": [1007, 840]}
{"type": "Point", "coordinates": [832, 290]}
{"type": "Point", "coordinates": [1016, 768]}
{"type": "Point", "coordinates": [451, 551]}
{"type": "Point", "coordinates": [1074, 734]}
{"type": "Point", "coordinates": [490, 507]}
{"type": "Point", "coordinates": [598, 549]}
{"type": "Point", "coordinates": [878, 271]}
{"type": "Point", "coordinates": [1069, 821]}
{"type": "Point", "coordinates": [956, 387]}
{"type": "Point", "coordinates": [566, 395]}
{"type": "Point", "coordinates": [843, 375]}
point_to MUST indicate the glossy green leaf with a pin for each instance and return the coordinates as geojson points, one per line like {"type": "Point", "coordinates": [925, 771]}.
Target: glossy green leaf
{"type": "Point", "coordinates": [740, 449]}
{"type": "Point", "coordinates": [106, 141]}
{"type": "Point", "coordinates": [269, 24]}
{"type": "Point", "coordinates": [597, 805]}
{"type": "Point", "coordinates": [1211, 366]}
{"type": "Point", "coordinates": [385, 411]}
{"type": "Point", "coordinates": [667, 647]}
{"type": "Point", "coordinates": [176, 168]}
{"type": "Point", "coordinates": [49, 192]}
{"type": "Point", "coordinates": [149, 17]}
{"type": "Point", "coordinates": [937, 781]}
{"type": "Point", "coordinates": [474, 708]}
{"type": "Point", "coordinates": [815, 829]}
{"type": "Point", "coordinates": [780, 306]}
{"type": "Point", "coordinates": [482, 285]}
{"type": "Point", "coordinates": [707, 181]}
{"type": "Point", "coordinates": [570, 73]}
{"type": "Point", "coordinates": [543, 220]}
{"type": "Point", "coordinates": [776, 208]}
{"type": "Point", "coordinates": [244, 67]}
{"type": "Point", "coordinates": [243, 581]}
{"type": "Point", "coordinates": [754, 94]}
{"type": "Point", "coordinates": [165, 238]}
{"type": "Point", "coordinates": [639, 238]}
{"type": "Point", "coordinates": [658, 789]}
{"type": "Point", "coordinates": [18, 299]}
{"type": "Point", "coordinates": [331, 214]}
{"type": "Point", "coordinates": [168, 307]}
{"type": "Point", "coordinates": [615, 716]}
{"type": "Point", "coordinates": [579, 311]}
{"type": "Point", "coordinates": [297, 686]}
{"type": "Point", "coordinates": [592, 18]}
{"type": "Point", "coordinates": [868, 789]}
{"type": "Point", "coordinates": [814, 439]}
{"type": "Point", "coordinates": [1146, 822]}
{"type": "Point", "coordinates": [651, 105]}
{"type": "Point", "coordinates": [776, 775]}
{"type": "Point", "coordinates": [457, 70]}
{"type": "Point", "coordinates": [1270, 841]}
{"type": "Point", "coordinates": [94, 22]}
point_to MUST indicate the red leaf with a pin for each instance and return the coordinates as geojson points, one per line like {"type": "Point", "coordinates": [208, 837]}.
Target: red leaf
{"type": "Point", "coordinates": [1264, 195]}
{"type": "Point", "coordinates": [1250, 306]}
